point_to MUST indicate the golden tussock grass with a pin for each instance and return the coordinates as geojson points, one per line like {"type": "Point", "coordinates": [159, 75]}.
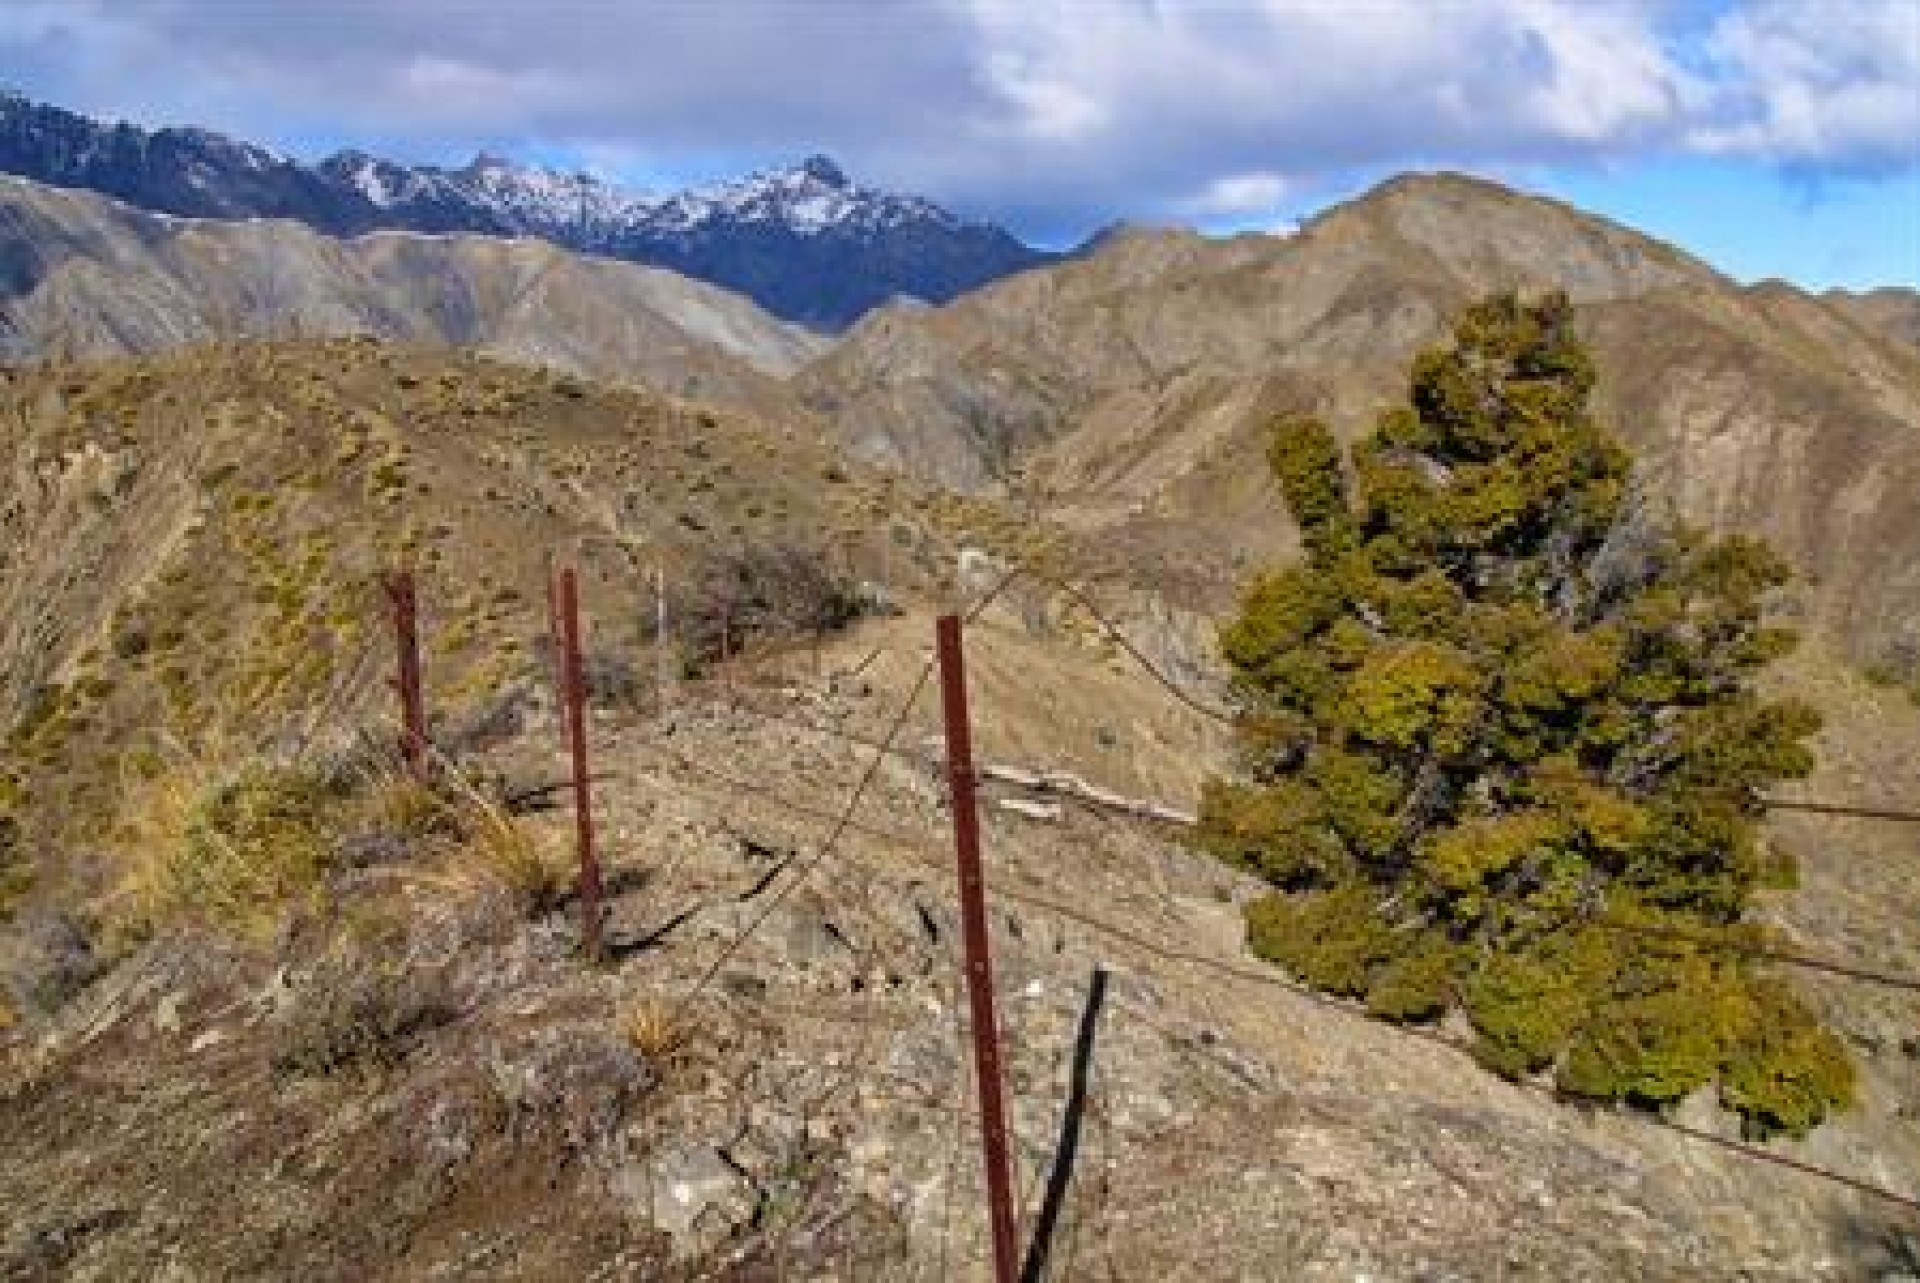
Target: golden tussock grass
{"type": "Point", "coordinates": [219, 836]}
{"type": "Point", "coordinates": [484, 847]}
{"type": "Point", "coordinates": [658, 1030]}
{"type": "Point", "coordinates": [237, 840]}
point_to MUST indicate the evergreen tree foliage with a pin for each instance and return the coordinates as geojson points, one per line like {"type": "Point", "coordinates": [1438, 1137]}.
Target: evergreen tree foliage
{"type": "Point", "coordinates": [1500, 746]}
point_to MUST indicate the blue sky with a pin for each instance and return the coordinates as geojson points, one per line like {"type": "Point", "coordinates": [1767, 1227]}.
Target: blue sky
{"type": "Point", "coordinates": [1771, 137]}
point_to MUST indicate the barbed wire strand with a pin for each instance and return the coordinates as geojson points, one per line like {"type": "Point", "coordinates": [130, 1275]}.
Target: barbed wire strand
{"type": "Point", "coordinates": [844, 820]}
{"type": "Point", "coordinates": [1840, 809]}
{"type": "Point", "coordinates": [1085, 601]}
{"type": "Point", "coordinates": [1759, 952]}
{"type": "Point", "coordinates": [910, 846]}
{"type": "Point", "coordinates": [1845, 970]}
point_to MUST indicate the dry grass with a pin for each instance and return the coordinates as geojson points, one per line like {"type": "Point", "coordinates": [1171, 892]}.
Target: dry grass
{"type": "Point", "coordinates": [533, 866]}
{"type": "Point", "coordinates": [659, 1030]}
{"type": "Point", "coordinates": [393, 800]}
{"type": "Point", "coordinates": [226, 838]}
{"type": "Point", "coordinates": [236, 840]}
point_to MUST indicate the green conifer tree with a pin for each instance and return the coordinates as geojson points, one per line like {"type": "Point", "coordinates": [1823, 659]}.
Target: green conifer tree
{"type": "Point", "coordinates": [1499, 745]}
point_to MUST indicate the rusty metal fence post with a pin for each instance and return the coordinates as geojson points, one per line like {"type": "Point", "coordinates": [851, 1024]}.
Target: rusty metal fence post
{"type": "Point", "coordinates": [557, 666]}
{"type": "Point", "coordinates": [574, 681]}
{"type": "Point", "coordinates": [406, 637]}
{"type": "Point", "coordinates": [979, 959]}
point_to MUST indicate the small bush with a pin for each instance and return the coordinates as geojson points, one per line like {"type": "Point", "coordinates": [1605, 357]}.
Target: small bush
{"type": "Point", "coordinates": [1786, 1074]}
{"type": "Point", "coordinates": [493, 850]}
{"type": "Point", "coordinates": [362, 1018]}
{"type": "Point", "coordinates": [1652, 1049]}
{"type": "Point", "coordinates": [610, 679]}
{"type": "Point", "coordinates": [761, 593]}
{"type": "Point", "coordinates": [657, 1030]}
{"type": "Point", "coordinates": [1499, 699]}
{"type": "Point", "coordinates": [1525, 1005]}
{"type": "Point", "coordinates": [1418, 985]}
{"type": "Point", "coordinates": [236, 846]}
{"type": "Point", "coordinates": [233, 849]}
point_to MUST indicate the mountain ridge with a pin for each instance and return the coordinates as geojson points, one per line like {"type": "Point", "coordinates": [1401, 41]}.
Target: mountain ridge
{"type": "Point", "coordinates": [83, 275]}
{"type": "Point", "coordinates": [1130, 391]}
{"type": "Point", "coordinates": [805, 241]}
{"type": "Point", "coordinates": [415, 1061]}
{"type": "Point", "coordinates": [193, 546]}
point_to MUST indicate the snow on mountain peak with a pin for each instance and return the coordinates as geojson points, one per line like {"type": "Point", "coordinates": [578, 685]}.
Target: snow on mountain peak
{"type": "Point", "coordinates": [808, 198]}
{"type": "Point", "coordinates": [804, 240]}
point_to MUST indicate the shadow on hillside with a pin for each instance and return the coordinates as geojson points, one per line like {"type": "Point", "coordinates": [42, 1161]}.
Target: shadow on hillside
{"type": "Point", "coordinates": [1879, 1244]}
{"type": "Point", "coordinates": [1067, 1148]}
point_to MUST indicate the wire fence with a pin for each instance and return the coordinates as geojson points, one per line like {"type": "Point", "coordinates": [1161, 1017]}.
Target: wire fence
{"type": "Point", "coordinates": [922, 849]}
{"type": "Point", "coordinates": [919, 849]}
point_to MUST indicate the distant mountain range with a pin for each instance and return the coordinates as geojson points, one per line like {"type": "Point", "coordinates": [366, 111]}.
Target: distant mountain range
{"type": "Point", "coordinates": [85, 276]}
{"type": "Point", "coordinates": [805, 242]}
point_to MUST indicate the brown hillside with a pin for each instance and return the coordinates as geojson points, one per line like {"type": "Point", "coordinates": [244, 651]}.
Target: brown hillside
{"type": "Point", "coordinates": [1893, 310]}
{"type": "Point", "coordinates": [190, 544]}
{"type": "Point", "coordinates": [411, 1073]}
{"type": "Point", "coordinates": [85, 276]}
{"type": "Point", "coordinates": [1130, 391]}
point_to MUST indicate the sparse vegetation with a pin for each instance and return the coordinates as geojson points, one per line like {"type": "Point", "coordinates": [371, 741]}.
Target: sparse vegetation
{"type": "Point", "coordinates": [1500, 747]}
{"type": "Point", "coordinates": [233, 847]}
{"type": "Point", "coordinates": [763, 592]}
{"type": "Point", "coordinates": [656, 1029]}
{"type": "Point", "coordinates": [236, 841]}
{"type": "Point", "coordinates": [363, 1016]}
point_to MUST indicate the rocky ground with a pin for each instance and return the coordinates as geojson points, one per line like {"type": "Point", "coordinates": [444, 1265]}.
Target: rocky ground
{"type": "Point", "coordinates": [768, 1079]}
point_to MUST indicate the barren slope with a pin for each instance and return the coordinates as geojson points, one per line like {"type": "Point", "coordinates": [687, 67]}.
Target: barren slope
{"type": "Point", "coordinates": [1130, 392]}
{"type": "Point", "coordinates": [1893, 310]}
{"type": "Point", "coordinates": [83, 275]}
{"type": "Point", "coordinates": [190, 545]}
{"type": "Point", "coordinates": [415, 1078]}
{"type": "Point", "coordinates": [422, 1083]}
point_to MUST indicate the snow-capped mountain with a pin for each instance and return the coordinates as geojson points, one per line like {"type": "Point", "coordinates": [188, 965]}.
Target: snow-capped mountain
{"type": "Point", "coordinates": [805, 241]}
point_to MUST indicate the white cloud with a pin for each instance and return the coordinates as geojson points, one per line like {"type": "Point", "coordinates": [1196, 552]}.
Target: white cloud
{"type": "Point", "coordinates": [1819, 84]}
{"type": "Point", "coordinates": [1045, 108]}
{"type": "Point", "coordinates": [1057, 113]}
{"type": "Point", "coordinates": [1240, 196]}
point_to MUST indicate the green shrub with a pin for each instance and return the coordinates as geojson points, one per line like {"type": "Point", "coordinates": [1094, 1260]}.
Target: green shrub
{"type": "Point", "coordinates": [1786, 1073]}
{"type": "Point", "coordinates": [251, 843]}
{"type": "Point", "coordinates": [1331, 939]}
{"type": "Point", "coordinates": [1525, 1004]}
{"type": "Point", "coordinates": [1419, 984]}
{"type": "Point", "coordinates": [1653, 1048]}
{"type": "Point", "coordinates": [1486, 712]}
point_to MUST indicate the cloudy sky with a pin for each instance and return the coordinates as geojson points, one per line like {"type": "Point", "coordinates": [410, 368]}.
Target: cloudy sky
{"type": "Point", "coordinates": [1774, 137]}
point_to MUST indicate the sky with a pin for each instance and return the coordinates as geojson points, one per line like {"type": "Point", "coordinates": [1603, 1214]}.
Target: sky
{"type": "Point", "coordinates": [1770, 137]}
